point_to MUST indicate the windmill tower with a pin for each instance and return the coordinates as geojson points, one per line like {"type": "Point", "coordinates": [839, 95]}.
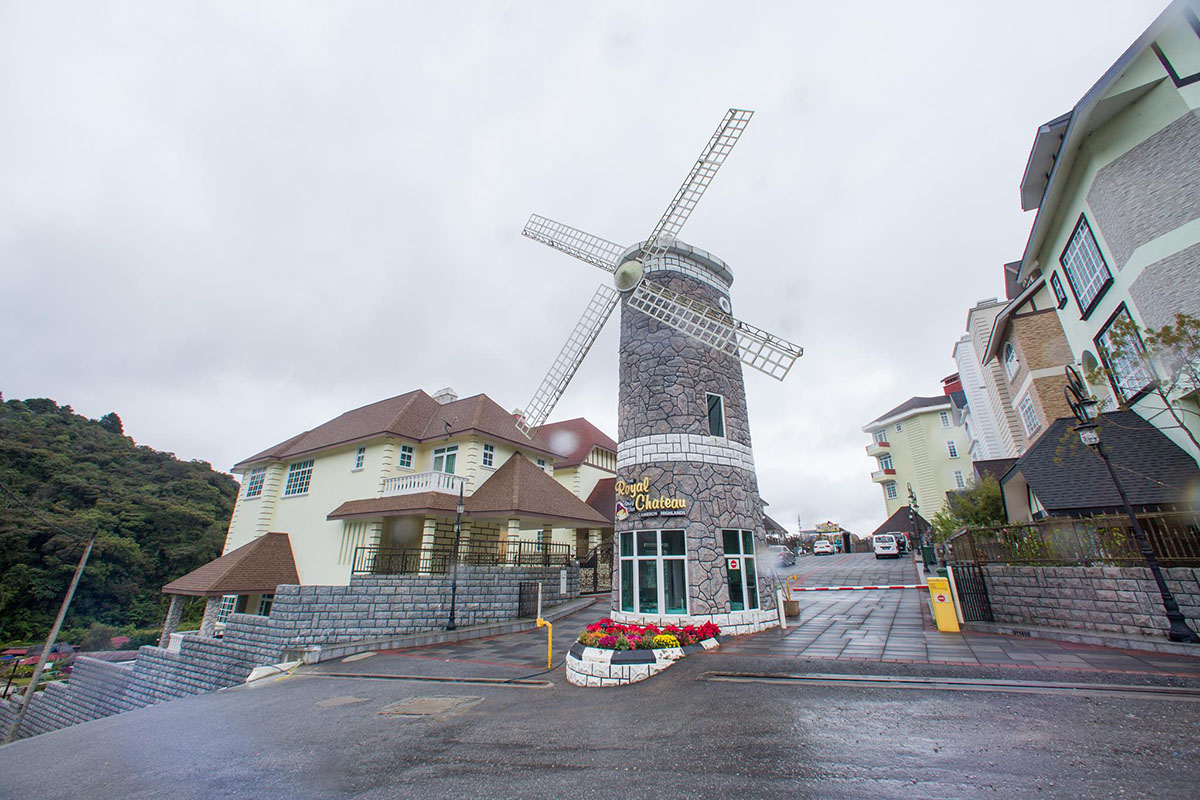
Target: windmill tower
{"type": "Point", "coordinates": [688, 504]}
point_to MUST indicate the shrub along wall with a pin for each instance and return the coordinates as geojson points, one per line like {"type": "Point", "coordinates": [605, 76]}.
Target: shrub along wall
{"type": "Point", "coordinates": [1122, 600]}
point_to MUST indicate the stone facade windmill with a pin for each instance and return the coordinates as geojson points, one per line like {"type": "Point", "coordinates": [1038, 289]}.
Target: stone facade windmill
{"type": "Point", "coordinates": [688, 504]}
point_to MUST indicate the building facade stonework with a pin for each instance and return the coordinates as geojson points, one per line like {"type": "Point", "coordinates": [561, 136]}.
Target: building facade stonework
{"type": "Point", "coordinates": [665, 444]}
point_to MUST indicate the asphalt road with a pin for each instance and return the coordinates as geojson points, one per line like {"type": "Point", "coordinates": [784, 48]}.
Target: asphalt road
{"type": "Point", "coordinates": [680, 734]}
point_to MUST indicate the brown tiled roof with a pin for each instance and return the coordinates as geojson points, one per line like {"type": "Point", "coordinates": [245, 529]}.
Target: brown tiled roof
{"type": "Point", "coordinates": [573, 439]}
{"type": "Point", "coordinates": [414, 416]}
{"type": "Point", "coordinates": [604, 498]}
{"type": "Point", "coordinates": [520, 488]}
{"type": "Point", "coordinates": [259, 566]}
{"type": "Point", "coordinates": [391, 506]}
{"type": "Point", "coordinates": [912, 404]}
{"type": "Point", "coordinates": [900, 522]}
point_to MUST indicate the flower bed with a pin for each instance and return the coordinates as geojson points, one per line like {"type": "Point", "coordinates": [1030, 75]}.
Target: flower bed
{"type": "Point", "coordinates": [613, 654]}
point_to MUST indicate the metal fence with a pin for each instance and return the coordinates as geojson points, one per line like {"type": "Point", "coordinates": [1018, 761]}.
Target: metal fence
{"type": "Point", "coordinates": [1088, 541]}
{"type": "Point", "coordinates": [376, 560]}
{"type": "Point", "coordinates": [595, 569]}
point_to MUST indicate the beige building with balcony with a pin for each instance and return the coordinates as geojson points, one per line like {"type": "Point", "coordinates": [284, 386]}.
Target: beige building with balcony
{"type": "Point", "coordinates": [388, 476]}
{"type": "Point", "coordinates": [918, 443]}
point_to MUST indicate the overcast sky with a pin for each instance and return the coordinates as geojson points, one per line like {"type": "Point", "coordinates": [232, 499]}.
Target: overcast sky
{"type": "Point", "coordinates": [230, 222]}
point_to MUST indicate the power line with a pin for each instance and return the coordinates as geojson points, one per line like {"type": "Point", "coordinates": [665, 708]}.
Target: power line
{"type": "Point", "coordinates": [35, 513]}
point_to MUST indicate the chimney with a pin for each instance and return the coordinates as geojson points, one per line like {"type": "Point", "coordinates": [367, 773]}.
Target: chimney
{"type": "Point", "coordinates": [446, 395]}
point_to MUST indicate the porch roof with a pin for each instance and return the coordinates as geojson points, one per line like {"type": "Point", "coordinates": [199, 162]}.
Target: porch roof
{"type": "Point", "coordinates": [256, 567]}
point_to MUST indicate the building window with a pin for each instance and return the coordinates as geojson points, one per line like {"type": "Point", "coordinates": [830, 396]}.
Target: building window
{"type": "Point", "coordinates": [228, 606]}
{"type": "Point", "coordinates": [1029, 417]}
{"type": "Point", "coordinates": [899, 427]}
{"type": "Point", "coordinates": [406, 456]}
{"type": "Point", "coordinates": [1086, 271]}
{"type": "Point", "coordinates": [489, 455]}
{"type": "Point", "coordinates": [952, 449]}
{"type": "Point", "coordinates": [264, 605]}
{"type": "Point", "coordinates": [945, 417]}
{"type": "Point", "coordinates": [298, 477]}
{"type": "Point", "coordinates": [1121, 351]}
{"type": "Point", "coordinates": [881, 436]}
{"type": "Point", "coordinates": [740, 568]}
{"type": "Point", "coordinates": [885, 462]}
{"type": "Point", "coordinates": [359, 458]}
{"type": "Point", "coordinates": [254, 481]}
{"type": "Point", "coordinates": [1060, 296]}
{"type": "Point", "coordinates": [653, 573]}
{"type": "Point", "coordinates": [444, 458]}
{"type": "Point", "coordinates": [958, 480]}
{"type": "Point", "coordinates": [1011, 365]}
{"type": "Point", "coordinates": [716, 415]}
{"type": "Point", "coordinates": [889, 490]}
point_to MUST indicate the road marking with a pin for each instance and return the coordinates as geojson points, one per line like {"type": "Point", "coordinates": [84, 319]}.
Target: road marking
{"type": "Point", "coordinates": [963, 685]}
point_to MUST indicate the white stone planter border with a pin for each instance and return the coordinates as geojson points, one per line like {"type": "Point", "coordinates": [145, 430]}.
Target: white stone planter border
{"type": "Point", "coordinates": [596, 666]}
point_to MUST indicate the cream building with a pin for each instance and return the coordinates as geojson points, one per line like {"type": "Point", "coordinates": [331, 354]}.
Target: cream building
{"type": "Point", "coordinates": [386, 478]}
{"type": "Point", "coordinates": [1117, 231]}
{"type": "Point", "coordinates": [918, 443]}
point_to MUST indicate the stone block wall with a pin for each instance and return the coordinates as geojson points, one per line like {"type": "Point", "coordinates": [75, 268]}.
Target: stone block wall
{"type": "Point", "coordinates": [371, 607]}
{"type": "Point", "coordinates": [1121, 600]}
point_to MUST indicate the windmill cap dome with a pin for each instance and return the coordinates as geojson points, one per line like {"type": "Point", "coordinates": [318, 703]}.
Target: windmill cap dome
{"type": "Point", "coordinates": [701, 258]}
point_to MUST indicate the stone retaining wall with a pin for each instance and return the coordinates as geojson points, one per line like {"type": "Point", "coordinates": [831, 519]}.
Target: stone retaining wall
{"type": "Point", "coordinates": [1121, 600]}
{"type": "Point", "coordinates": [371, 607]}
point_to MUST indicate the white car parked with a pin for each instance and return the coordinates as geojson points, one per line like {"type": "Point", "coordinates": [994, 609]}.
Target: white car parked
{"type": "Point", "coordinates": [885, 546]}
{"type": "Point", "coordinates": [823, 547]}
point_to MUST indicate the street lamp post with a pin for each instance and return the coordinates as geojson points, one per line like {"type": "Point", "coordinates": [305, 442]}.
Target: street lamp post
{"type": "Point", "coordinates": [1084, 409]}
{"type": "Point", "coordinates": [458, 512]}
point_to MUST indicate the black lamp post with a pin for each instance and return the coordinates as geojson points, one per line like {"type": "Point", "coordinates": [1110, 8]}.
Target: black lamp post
{"type": "Point", "coordinates": [458, 512]}
{"type": "Point", "coordinates": [1084, 408]}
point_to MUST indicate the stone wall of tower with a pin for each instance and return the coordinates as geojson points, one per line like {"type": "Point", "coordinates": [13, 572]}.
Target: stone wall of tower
{"type": "Point", "coordinates": [663, 435]}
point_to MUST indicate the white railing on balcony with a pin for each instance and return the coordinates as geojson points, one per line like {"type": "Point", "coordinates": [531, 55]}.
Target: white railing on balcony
{"type": "Point", "coordinates": [422, 482]}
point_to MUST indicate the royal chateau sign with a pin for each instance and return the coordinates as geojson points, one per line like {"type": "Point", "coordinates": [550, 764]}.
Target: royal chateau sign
{"type": "Point", "coordinates": [641, 501]}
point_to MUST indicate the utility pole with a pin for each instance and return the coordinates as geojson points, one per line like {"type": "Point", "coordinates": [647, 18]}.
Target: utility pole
{"type": "Point", "coordinates": [50, 641]}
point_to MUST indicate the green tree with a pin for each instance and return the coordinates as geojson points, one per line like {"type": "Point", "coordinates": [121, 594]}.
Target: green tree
{"type": "Point", "coordinates": [977, 507]}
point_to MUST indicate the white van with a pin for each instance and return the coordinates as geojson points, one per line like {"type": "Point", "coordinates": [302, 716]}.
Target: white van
{"type": "Point", "coordinates": [885, 546]}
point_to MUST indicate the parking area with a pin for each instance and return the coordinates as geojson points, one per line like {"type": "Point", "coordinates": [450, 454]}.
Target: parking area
{"type": "Point", "coordinates": [893, 625]}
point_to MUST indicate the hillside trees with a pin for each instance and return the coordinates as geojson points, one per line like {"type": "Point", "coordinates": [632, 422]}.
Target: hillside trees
{"type": "Point", "coordinates": [155, 517]}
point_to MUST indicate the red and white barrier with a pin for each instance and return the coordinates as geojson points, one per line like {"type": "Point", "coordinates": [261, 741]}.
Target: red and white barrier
{"type": "Point", "coordinates": [847, 588]}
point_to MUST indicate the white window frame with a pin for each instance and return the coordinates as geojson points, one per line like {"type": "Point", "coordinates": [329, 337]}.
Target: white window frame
{"type": "Point", "coordinates": [299, 478]}
{"type": "Point", "coordinates": [1127, 372]}
{"type": "Point", "coordinates": [1028, 414]}
{"type": "Point", "coordinates": [959, 481]}
{"type": "Point", "coordinates": [945, 417]}
{"type": "Point", "coordinates": [489, 455]}
{"type": "Point", "coordinates": [885, 462]}
{"type": "Point", "coordinates": [1086, 269]}
{"type": "Point", "coordinates": [265, 602]}
{"type": "Point", "coordinates": [899, 427]}
{"type": "Point", "coordinates": [881, 436]}
{"type": "Point", "coordinates": [952, 449]}
{"type": "Point", "coordinates": [254, 482]}
{"type": "Point", "coordinates": [635, 563]}
{"type": "Point", "coordinates": [708, 414]}
{"type": "Point", "coordinates": [1011, 363]}
{"type": "Point", "coordinates": [447, 455]}
{"type": "Point", "coordinates": [228, 606]}
{"type": "Point", "coordinates": [360, 457]}
{"type": "Point", "coordinates": [890, 491]}
{"type": "Point", "coordinates": [405, 459]}
{"type": "Point", "coordinates": [745, 558]}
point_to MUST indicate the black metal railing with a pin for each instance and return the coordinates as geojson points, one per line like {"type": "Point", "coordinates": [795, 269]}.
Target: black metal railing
{"type": "Point", "coordinates": [376, 560]}
{"type": "Point", "coordinates": [1061, 541]}
{"type": "Point", "coordinates": [596, 569]}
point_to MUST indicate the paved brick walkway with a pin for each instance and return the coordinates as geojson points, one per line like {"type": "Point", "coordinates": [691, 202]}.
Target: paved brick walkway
{"type": "Point", "coordinates": [893, 625]}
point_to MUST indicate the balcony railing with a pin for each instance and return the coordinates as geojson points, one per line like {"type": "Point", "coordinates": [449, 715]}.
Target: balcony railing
{"type": "Point", "coordinates": [880, 475]}
{"type": "Point", "coordinates": [375, 560]}
{"type": "Point", "coordinates": [878, 448]}
{"type": "Point", "coordinates": [1105, 540]}
{"type": "Point", "coordinates": [419, 482]}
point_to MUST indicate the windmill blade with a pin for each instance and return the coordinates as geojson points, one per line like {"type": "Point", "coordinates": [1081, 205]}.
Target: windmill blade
{"type": "Point", "coordinates": [592, 249]}
{"type": "Point", "coordinates": [710, 160]}
{"type": "Point", "coordinates": [752, 346]}
{"type": "Point", "coordinates": [598, 310]}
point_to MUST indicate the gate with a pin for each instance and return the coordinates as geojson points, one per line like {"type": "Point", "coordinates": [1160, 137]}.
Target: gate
{"type": "Point", "coordinates": [596, 568]}
{"type": "Point", "coordinates": [972, 592]}
{"type": "Point", "coordinates": [527, 597]}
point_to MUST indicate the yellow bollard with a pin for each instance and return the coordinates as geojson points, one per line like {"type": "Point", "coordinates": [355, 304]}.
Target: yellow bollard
{"type": "Point", "coordinates": [550, 641]}
{"type": "Point", "coordinates": [943, 605]}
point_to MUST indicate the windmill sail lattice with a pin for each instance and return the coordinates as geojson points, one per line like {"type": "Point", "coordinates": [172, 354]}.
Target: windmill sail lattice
{"type": "Point", "coordinates": [598, 310]}
{"type": "Point", "coordinates": [574, 242]}
{"type": "Point", "coordinates": [754, 347]}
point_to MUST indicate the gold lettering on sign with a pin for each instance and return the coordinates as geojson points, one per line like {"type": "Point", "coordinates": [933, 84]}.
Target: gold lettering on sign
{"type": "Point", "coordinates": [643, 501]}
